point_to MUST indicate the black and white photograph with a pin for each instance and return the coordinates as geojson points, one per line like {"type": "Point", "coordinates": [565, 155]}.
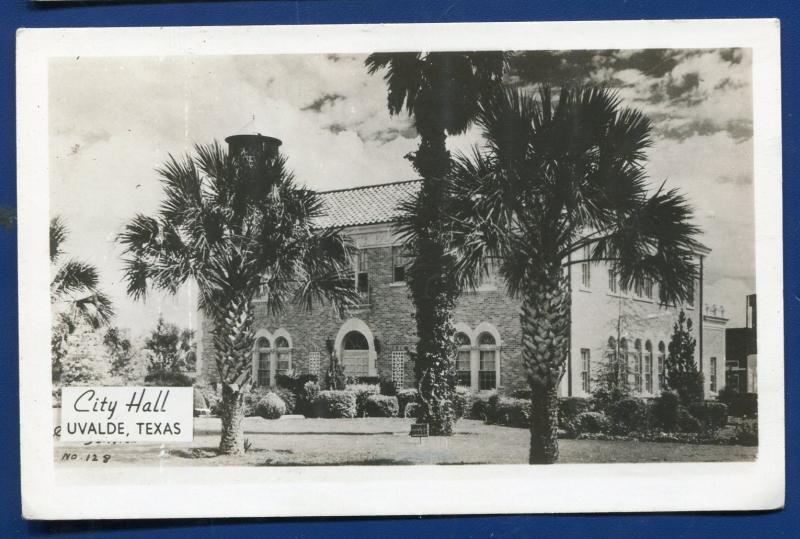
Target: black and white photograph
{"type": "Point", "coordinates": [365, 261]}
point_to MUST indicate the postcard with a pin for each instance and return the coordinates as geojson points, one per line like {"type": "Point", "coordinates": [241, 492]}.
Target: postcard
{"type": "Point", "coordinates": [400, 269]}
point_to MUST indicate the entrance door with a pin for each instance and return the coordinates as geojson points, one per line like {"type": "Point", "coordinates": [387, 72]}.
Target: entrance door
{"type": "Point", "coordinates": [355, 354]}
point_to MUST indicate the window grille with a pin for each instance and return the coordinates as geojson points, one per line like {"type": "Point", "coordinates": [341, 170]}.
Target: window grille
{"type": "Point", "coordinates": [399, 368]}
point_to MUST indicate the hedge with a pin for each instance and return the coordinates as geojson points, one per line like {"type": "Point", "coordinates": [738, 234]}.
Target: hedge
{"type": "Point", "coordinates": [289, 398]}
{"type": "Point", "coordinates": [687, 422]}
{"type": "Point", "coordinates": [305, 399]}
{"type": "Point", "coordinates": [511, 412]}
{"type": "Point", "coordinates": [713, 415]}
{"type": "Point", "coordinates": [479, 409]}
{"type": "Point", "coordinates": [629, 415]}
{"type": "Point", "coordinates": [388, 387]}
{"type": "Point", "coordinates": [271, 406]}
{"type": "Point", "coordinates": [294, 383]}
{"type": "Point", "coordinates": [591, 422]}
{"type": "Point", "coordinates": [569, 408]}
{"type": "Point", "coordinates": [665, 411]}
{"type": "Point", "coordinates": [404, 398]}
{"type": "Point", "coordinates": [334, 404]}
{"type": "Point", "coordinates": [461, 403]}
{"type": "Point", "coordinates": [381, 406]}
{"type": "Point", "coordinates": [362, 392]}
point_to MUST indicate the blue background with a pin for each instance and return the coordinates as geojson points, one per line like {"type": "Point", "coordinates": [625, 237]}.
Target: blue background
{"type": "Point", "coordinates": [22, 13]}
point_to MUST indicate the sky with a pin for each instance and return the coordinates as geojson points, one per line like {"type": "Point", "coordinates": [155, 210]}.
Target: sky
{"type": "Point", "coordinates": [114, 121]}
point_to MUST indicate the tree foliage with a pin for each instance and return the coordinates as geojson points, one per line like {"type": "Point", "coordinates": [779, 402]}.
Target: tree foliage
{"type": "Point", "coordinates": [561, 180]}
{"type": "Point", "coordinates": [680, 368]}
{"type": "Point", "coordinates": [440, 91]}
{"type": "Point", "coordinates": [238, 232]}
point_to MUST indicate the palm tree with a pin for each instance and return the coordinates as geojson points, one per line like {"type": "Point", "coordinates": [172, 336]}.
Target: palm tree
{"type": "Point", "coordinates": [560, 181]}
{"type": "Point", "coordinates": [74, 294]}
{"type": "Point", "coordinates": [440, 91]}
{"type": "Point", "coordinates": [238, 232]}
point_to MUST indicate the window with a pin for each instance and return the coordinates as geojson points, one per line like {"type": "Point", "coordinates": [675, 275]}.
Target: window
{"type": "Point", "coordinates": [586, 367]}
{"type": "Point", "coordinates": [690, 300]}
{"type": "Point", "coordinates": [586, 269]}
{"type": "Point", "coordinates": [314, 362]}
{"type": "Point", "coordinates": [637, 366]}
{"type": "Point", "coordinates": [648, 367]}
{"type": "Point", "coordinates": [399, 264]}
{"type": "Point", "coordinates": [612, 280]}
{"type": "Point", "coordinates": [399, 368]}
{"type": "Point", "coordinates": [361, 275]}
{"type": "Point", "coordinates": [284, 356]}
{"type": "Point", "coordinates": [264, 352]}
{"type": "Point", "coordinates": [463, 361]}
{"type": "Point", "coordinates": [623, 364]}
{"type": "Point", "coordinates": [712, 378]}
{"type": "Point", "coordinates": [662, 380]}
{"type": "Point", "coordinates": [487, 364]}
{"type": "Point", "coordinates": [355, 354]}
{"type": "Point", "coordinates": [648, 289]}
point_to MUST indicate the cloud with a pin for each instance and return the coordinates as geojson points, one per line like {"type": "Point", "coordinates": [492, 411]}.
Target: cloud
{"type": "Point", "coordinates": [326, 99]}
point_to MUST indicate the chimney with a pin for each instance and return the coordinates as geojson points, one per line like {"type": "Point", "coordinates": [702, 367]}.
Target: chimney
{"type": "Point", "coordinates": [256, 148]}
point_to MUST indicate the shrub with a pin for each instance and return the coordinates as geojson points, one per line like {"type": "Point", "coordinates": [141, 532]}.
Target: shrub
{"type": "Point", "coordinates": [687, 422]}
{"type": "Point", "coordinates": [294, 383]}
{"type": "Point", "coordinates": [289, 398]}
{"type": "Point", "coordinates": [382, 406]}
{"type": "Point", "coordinates": [479, 408]}
{"type": "Point", "coordinates": [271, 406]}
{"type": "Point", "coordinates": [512, 412]}
{"type": "Point", "coordinates": [521, 394]}
{"type": "Point", "coordinates": [591, 422]}
{"type": "Point", "coordinates": [212, 397]}
{"type": "Point", "coordinates": [688, 385]}
{"type": "Point", "coordinates": [569, 408]}
{"type": "Point", "coordinates": [168, 378]}
{"type": "Point", "coordinates": [744, 405]}
{"type": "Point", "coordinates": [713, 415]}
{"type": "Point", "coordinates": [252, 399]}
{"type": "Point", "coordinates": [665, 411]}
{"type": "Point", "coordinates": [605, 399]}
{"type": "Point", "coordinates": [334, 404]}
{"type": "Point", "coordinates": [411, 409]}
{"type": "Point", "coordinates": [406, 397]}
{"type": "Point", "coordinates": [362, 392]}
{"type": "Point", "coordinates": [388, 388]}
{"type": "Point", "coordinates": [746, 433]}
{"type": "Point", "coordinates": [461, 402]}
{"type": "Point", "coordinates": [628, 415]}
{"type": "Point", "coordinates": [305, 398]}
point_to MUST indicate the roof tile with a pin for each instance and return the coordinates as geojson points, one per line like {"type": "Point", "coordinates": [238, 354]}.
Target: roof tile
{"type": "Point", "coordinates": [366, 205]}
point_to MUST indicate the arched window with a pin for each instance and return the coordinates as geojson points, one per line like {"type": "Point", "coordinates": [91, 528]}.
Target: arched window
{"type": "Point", "coordinates": [487, 364]}
{"type": "Point", "coordinates": [662, 358]}
{"type": "Point", "coordinates": [264, 355]}
{"type": "Point", "coordinates": [463, 361]}
{"type": "Point", "coordinates": [355, 354]}
{"type": "Point", "coordinates": [623, 364]}
{"type": "Point", "coordinates": [283, 355]}
{"type": "Point", "coordinates": [637, 366]}
{"type": "Point", "coordinates": [648, 367]}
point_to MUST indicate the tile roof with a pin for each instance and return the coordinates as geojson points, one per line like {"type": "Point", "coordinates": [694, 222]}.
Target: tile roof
{"type": "Point", "coordinates": [366, 205]}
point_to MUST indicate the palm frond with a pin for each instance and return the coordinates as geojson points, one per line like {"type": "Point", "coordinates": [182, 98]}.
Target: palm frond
{"type": "Point", "coordinates": [58, 234]}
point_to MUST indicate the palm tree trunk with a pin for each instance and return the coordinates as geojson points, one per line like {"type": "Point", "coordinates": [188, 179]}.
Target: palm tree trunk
{"type": "Point", "coordinates": [433, 291]}
{"type": "Point", "coordinates": [232, 416]}
{"type": "Point", "coordinates": [544, 425]}
{"type": "Point", "coordinates": [233, 345]}
{"type": "Point", "coordinates": [545, 322]}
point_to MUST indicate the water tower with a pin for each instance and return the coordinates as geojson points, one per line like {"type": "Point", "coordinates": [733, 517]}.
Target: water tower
{"type": "Point", "coordinates": [255, 148]}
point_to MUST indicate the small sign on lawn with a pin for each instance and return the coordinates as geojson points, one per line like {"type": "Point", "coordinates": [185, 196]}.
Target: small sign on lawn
{"type": "Point", "coordinates": [419, 430]}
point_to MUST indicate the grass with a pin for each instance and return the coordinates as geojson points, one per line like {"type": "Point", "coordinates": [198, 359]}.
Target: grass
{"type": "Point", "coordinates": [377, 441]}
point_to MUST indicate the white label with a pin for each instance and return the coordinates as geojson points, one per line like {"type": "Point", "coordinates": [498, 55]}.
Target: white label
{"type": "Point", "coordinates": [126, 414]}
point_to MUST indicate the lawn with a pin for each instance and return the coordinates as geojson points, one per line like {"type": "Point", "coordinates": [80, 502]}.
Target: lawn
{"type": "Point", "coordinates": [376, 441]}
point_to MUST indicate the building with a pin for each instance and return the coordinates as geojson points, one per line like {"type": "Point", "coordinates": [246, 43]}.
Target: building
{"type": "Point", "coordinates": [374, 338]}
{"type": "Point", "coordinates": [742, 352]}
